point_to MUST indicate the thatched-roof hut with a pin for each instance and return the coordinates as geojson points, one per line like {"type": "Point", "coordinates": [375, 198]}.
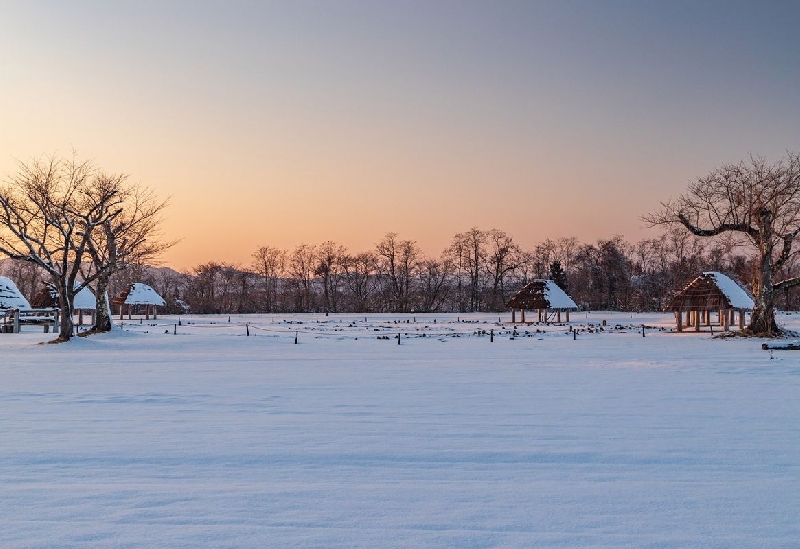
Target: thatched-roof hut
{"type": "Point", "coordinates": [711, 291]}
{"type": "Point", "coordinates": [544, 296]}
{"type": "Point", "coordinates": [10, 296]}
{"type": "Point", "coordinates": [83, 302]}
{"type": "Point", "coordinates": [142, 295]}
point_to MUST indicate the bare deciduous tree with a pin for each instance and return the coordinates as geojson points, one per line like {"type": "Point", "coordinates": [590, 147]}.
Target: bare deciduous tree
{"type": "Point", "coordinates": [270, 264]}
{"type": "Point", "coordinates": [329, 268]}
{"type": "Point", "coordinates": [360, 278]}
{"type": "Point", "coordinates": [44, 221]}
{"type": "Point", "coordinates": [302, 263]}
{"type": "Point", "coordinates": [129, 235]}
{"type": "Point", "coordinates": [502, 258]}
{"type": "Point", "coordinates": [468, 253]}
{"type": "Point", "coordinates": [399, 260]}
{"type": "Point", "coordinates": [757, 200]}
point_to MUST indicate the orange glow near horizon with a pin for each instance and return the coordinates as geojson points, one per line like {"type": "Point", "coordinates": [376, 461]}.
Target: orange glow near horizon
{"type": "Point", "coordinates": [302, 123]}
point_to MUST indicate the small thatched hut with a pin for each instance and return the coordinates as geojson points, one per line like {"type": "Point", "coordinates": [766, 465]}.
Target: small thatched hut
{"type": "Point", "coordinates": [544, 296]}
{"type": "Point", "coordinates": [139, 295]}
{"type": "Point", "coordinates": [711, 291]}
{"type": "Point", "coordinates": [83, 303]}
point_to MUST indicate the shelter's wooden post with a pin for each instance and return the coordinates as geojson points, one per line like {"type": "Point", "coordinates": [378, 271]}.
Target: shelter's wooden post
{"type": "Point", "coordinates": [688, 318]}
{"type": "Point", "coordinates": [558, 316]}
{"type": "Point", "coordinates": [539, 315]}
{"type": "Point", "coordinates": [567, 315]}
{"type": "Point", "coordinates": [155, 313]}
{"type": "Point", "coordinates": [719, 317]}
{"type": "Point", "coordinates": [741, 319]}
{"type": "Point", "coordinates": [679, 320]}
{"type": "Point", "coordinates": [121, 307]}
{"type": "Point", "coordinates": [80, 317]}
{"type": "Point", "coordinates": [732, 319]}
{"type": "Point", "coordinates": [130, 311]}
{"type": "Point", "coordinates": [707, 314]}
{"type": "Point", "coordinates": [522, 313]}
{"type": "Point", "coordinates": [15, 329]}
{"type": "Point", "coordinates": [697, 321]}
{"type": "Point", "coordinates": [94, 317]}
{"type": "Point", "coordinates": [513, 316]}
{"type": "Point", "coordinates": [725, 319]}
{"type": "Point", "coordinates": [147, 312]}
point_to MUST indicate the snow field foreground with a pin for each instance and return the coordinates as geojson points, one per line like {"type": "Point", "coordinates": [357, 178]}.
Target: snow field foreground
{"type": "Point", "coordinates": [210, 438]}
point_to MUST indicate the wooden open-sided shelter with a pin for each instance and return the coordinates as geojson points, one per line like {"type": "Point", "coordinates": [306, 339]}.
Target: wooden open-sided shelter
{"type": "Point", "coordinates": [139, 295]}
{"type": "Point", "coordinates": [543, 296]}
{"type": "Point", "coordinates": [16, 311]}
{"type": "Point", "coordinates": [711, 291]}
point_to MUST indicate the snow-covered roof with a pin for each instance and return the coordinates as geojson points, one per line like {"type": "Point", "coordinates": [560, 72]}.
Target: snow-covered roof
{"type": "Point", "coordinates": [711, 291]}
{"type": "Point", "coordinates": [557, 297]}
{"type": "Point", "coordinates": [541, 294]}
{"type": "Point", "coordinates": [84, 300]}
{"type": "Point", "coordinates": [142, 294]}
{"type": "Point", "coordinates": [10, 296]}
{"type": "Point", "coordinates": [737, 297]}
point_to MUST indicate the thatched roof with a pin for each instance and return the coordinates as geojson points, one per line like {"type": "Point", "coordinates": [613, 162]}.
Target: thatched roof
{"type": "Point", "coordinates": [139, 294]}
{"type": "Point", "coordinates": [48, 297]}
{"type": "Point", "coordinates": [541, 294]}
{"type": "Point", "coordinates": [10, 296]}
{"type": "Point", "coordinates": [711, 291]}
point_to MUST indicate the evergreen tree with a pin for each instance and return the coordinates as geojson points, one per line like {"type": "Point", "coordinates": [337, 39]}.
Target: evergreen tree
{"type": "Point", "coordinates": [558, 275]}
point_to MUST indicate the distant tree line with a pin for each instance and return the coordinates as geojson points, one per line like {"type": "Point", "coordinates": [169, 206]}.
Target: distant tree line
{"type": "Point", "coordinates": [69, 225]}
{"type": "Point", "coordinates": [479, 271]}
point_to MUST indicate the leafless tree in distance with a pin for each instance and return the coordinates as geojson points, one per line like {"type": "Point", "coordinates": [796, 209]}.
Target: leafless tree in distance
{"type": "Point", "coordinates": [757, 200]}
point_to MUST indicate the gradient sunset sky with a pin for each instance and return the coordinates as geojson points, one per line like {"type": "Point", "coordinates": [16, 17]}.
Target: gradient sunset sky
{"type": "Point", "coordinates": [278, 123]}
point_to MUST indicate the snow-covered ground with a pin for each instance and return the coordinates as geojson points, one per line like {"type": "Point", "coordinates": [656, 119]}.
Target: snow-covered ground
{"type": "Point", "coordinates": [209, 438]}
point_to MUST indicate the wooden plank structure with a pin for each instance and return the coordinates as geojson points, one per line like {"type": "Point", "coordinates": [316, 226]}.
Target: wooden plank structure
{"type": "Point", "coordinates": [12, 319]}
{"type": "Point", "coordinates": [543, 296]}
{"type": "Point", "coordinates": [139, 295]}
{"type": "Point", "coordinates": [710, 292]}
{"type": "Point", "coordinates": [15, 311]}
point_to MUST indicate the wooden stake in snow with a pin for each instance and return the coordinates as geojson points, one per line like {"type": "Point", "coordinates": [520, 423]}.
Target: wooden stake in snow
{"type": "Point", "coordinates": [642, 330]}
{"type": "Point", "coordinates": [295, 338]}
{"type": "Point", "coordinates": [491, 335]}
{"type": "Point", "coordinates": [398, 339]}
{"type": "Point", "coordinates": [247, 327]}
{"type": "Point", "coordinates": [174, 329]}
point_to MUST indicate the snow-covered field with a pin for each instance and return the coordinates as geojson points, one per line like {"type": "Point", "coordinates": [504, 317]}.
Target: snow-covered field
{"type": "Point", "coordinates": [210, 438]}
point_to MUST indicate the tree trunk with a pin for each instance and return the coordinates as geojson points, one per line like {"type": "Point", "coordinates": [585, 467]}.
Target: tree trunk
{"type": "Point", "coordinates": [762, 321]}
{"type": "Point", "coordinates": [103, 316]}
{"type": "Point", "coordinates": [65, 301]}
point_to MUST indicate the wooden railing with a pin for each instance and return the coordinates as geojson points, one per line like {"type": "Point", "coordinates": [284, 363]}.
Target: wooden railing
{"type": "Point", "coordinates": [12, 319]}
